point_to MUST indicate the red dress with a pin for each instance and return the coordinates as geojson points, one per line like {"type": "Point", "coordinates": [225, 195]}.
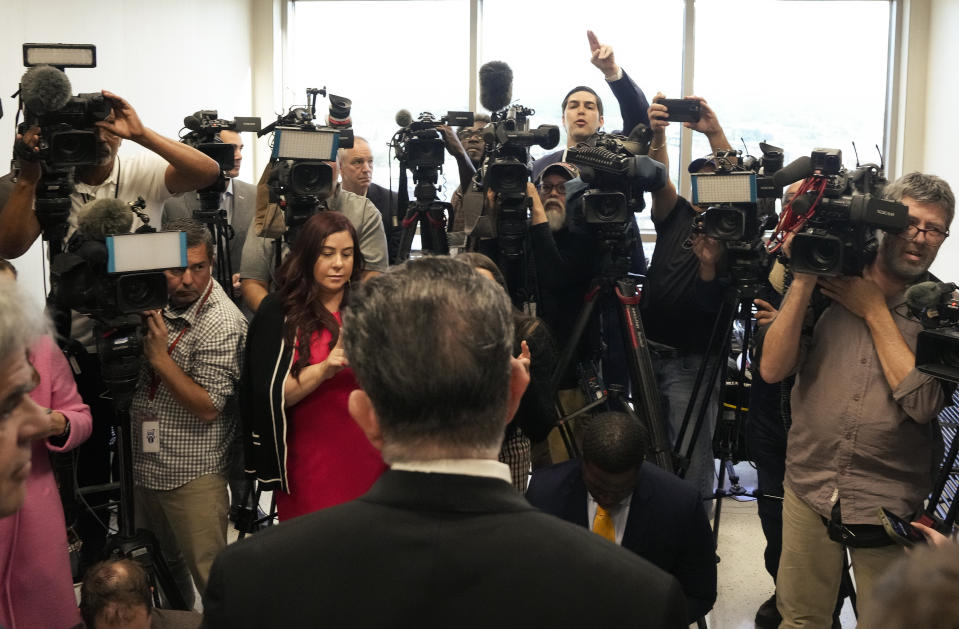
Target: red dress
{"type": "Point", "coordinates": [329, 459]}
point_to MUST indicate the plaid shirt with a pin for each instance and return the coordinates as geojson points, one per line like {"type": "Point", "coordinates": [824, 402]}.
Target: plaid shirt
{"type": "Point", "coordinates": [209, 351]}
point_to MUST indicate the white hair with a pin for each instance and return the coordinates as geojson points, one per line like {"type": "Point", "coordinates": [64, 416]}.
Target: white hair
{"type": "Point", "coordinates": [21, 321]}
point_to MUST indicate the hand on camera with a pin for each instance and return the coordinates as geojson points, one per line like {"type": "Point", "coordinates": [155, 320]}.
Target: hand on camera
{"type": "Point", "coordinates": [537, 212]}
{"type": "Point", "coordinates": [155, 339]}
{"type": "Point", "coordinates": [453, 145]}
{"type": "Point", "coordinates": [765, 312]}
{"type": "Point", "coordinates": [126, 123]}
{"type": "Point", "coordinates": [708, 123]}
{"type": "Point", "coordinates": [933, 537]}
{"type": "Point", "coordinates": [602, 57]}
{"type": "Point", "coordinates": [26, 147]}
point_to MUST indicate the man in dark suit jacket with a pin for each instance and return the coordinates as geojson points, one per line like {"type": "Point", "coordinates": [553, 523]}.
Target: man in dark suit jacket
{"type": "Point", "coordinates": [441, 539]}
{"type": "Point", "coordinates": [654, 514]}
{"type": "Point", "coordinates": [239, 200]}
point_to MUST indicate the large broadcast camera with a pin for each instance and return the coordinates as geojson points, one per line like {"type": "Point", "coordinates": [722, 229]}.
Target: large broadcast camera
{"type": "Point", "coordinates": [419, 147]}
{"type": "Point", "coordinates": [937, 307]}
{"type": "Point", "coordinates": [301, 179]}
{"type": "Point", "coordinates": [204, 135]}
{"type": "Point", "coordinates": [740, 195]}
{"type": "Point", "coordinates": [835, 214]}
{"type": "Point", "coordinates": [67, 125]}
{"type": "Point", "coordinates": [113, 276]}
{"type": "Point", "coordinates": [506, 167]}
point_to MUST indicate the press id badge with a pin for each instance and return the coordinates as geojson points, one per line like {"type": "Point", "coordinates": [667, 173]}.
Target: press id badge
{"type": "Point", "coordinates": [150, 435]}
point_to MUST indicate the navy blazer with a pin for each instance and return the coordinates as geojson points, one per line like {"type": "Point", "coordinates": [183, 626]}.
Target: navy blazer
{"type": "Point", "coordinates": [667, 524]}
{"type": "Point", "coordinates": [436, 550]}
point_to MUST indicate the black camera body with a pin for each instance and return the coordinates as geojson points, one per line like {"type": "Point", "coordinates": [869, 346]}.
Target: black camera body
{"type": "Point", "coordinates": [419, 145]}
{"type": "Point", "coordinates": [301, 179]}
{"type": "Point", "coordinates": [838, 236]}
{"type": "Point", "coordinates": [741, 199]}
{"type": "Point", "coordinates": [67, 135]}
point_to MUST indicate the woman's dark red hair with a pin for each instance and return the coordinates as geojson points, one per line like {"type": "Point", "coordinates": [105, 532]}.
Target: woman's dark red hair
{"type": "Point", "coordinates": [298, 290]}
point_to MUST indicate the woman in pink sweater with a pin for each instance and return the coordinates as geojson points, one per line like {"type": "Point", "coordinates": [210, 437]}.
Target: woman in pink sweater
{"type": "Point", "coordinates": [36, 587]}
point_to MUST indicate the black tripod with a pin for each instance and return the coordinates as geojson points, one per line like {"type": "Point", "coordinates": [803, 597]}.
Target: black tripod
{"type": "Point", "coordinates": [214, 217]}
{"type": "Point", "coordinates": [615, 285]}
{"type": "Point", "coordinates": [736, 306]}
{"type": "Point", "coordinates": [427, 211]}
{"type": "Point", "coordinates": [119, 346]}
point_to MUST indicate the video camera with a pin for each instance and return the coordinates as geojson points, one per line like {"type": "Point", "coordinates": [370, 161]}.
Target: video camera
{"type": "Point", "coordinates": [835, 214]}
{"type": "Point", "coordinates": [506, 171]}
{"type": "Point", "coordinates": [204, 135]}
{"type": "Point", "coordinates": [937, 307]}
{"type": "Point", "coordinates": [618, 172]}
{"type": "Point", "coordinates": [301, 180]}
{"type": "Point", "coordinates": [67, 124]}
{"type": "Point", "coordinates": [740, 195]}
{"type": "Point", "coordinates": [419, 145]}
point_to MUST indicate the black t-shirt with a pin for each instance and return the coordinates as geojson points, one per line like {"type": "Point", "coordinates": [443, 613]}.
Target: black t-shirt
{"type": "Point", "coordinates": [678, 308]}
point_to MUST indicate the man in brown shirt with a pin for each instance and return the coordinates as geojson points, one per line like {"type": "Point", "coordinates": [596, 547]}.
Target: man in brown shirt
{"type": "Point", "coordinates": [861, 436]}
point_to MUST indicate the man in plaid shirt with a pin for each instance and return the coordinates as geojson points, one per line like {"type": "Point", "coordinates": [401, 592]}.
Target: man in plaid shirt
{"type": "Point", "coordinates": [184, 413]}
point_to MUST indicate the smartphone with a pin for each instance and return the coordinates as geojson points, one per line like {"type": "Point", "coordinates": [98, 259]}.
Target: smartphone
{"type": "Point", "coordinates": [681, 109]}
{"type": "Point", "coordinates": [899, 530]}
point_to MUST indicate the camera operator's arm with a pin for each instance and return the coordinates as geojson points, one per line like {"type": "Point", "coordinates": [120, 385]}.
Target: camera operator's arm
{"type": "Point", "coordinates": [863, 298]}
{"type": "Point", "coordinates": [780, 351]}
{"type": "Point", "coordinates": [632, 102]}
{"type": "Point", "coordinates": [187, 392]}
{"type": "Point", "coordinates": [455, 148]}
{"type": "Point", "coordinates": [708, 125]}
{"type": "Point", "coordinates": [664, 199]}
{"type": "Point", "coordinates": [18, 224]}
{"type": "Point", "coordinates": [189, 169]}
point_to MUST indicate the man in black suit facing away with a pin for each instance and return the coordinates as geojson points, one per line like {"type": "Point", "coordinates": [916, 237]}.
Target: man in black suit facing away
{"type": "Point", "coordinates": [656, 515]}
{"type": "Point", "coordinates": [441, 539]}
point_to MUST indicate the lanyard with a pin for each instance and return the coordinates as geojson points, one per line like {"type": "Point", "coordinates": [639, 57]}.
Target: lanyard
{"type": "Point", "coordinates": [154, 378]}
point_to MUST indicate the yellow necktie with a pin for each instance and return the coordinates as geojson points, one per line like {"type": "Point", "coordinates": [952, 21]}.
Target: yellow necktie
{"type": "Point", "coordinates": [603, 524]}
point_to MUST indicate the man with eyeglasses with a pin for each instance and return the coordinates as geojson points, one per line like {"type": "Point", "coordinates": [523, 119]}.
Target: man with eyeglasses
{"type": "Point", "coordinates": [862, 434]}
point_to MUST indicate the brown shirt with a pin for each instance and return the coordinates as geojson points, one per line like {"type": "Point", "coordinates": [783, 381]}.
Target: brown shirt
{"type": "Point", "coordinates": [852, 437]}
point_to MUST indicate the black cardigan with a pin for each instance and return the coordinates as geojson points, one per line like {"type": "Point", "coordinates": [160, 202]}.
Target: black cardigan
{"type": "Point", "coordinates": [268, 360]}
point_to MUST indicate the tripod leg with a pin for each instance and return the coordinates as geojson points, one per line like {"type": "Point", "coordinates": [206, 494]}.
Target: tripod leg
{"type": "Point", "coordinates": [406, 238]}
{"type": "Point", "coordinates": [433, 232]}
{"type": "Point", "coordinates": [645, 393]}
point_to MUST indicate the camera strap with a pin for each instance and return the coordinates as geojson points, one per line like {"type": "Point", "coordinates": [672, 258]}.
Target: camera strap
{"type": "Point", "coordinates": [154, 378]}
{"type": "Point", "coordinates": [116, 189]}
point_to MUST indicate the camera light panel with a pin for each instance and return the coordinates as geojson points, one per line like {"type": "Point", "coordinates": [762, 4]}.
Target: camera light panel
{"type": "Point", "coordinates": [724, 188]}
{"type": "Point", "coordinates": [146, 252]}
{"type": "Point", "coordinates": [60, 55]}
{"type": "Point", "coordinates": [319, 144]}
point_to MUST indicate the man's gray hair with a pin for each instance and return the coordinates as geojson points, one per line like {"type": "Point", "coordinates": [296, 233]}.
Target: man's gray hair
{"type": "Point", "coordinates": [341, 153]}
{"type": "Point", "coordinates": [430, 343]}
{"type": "Point", "coordinates": [196, 233]}
{"type": "Point", "coordinates": [928, 189]}
{"type": "Point", "coordinates": [21, 320]}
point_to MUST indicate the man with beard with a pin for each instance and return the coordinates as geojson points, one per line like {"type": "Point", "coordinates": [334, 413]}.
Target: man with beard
{"type": "Point", "coordinates": [862, 434]}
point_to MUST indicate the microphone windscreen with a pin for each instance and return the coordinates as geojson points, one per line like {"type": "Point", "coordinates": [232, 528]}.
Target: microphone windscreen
{"type": "Point", "coordinates": [923, 295]}
{"type": "Point", "coordinates": [104, 217]}
{"type": "Point", "coordinates": [404, 118]}
{"type": "Point", "coordinates": [495, 85]}
{"type": "Point", "coordinates": [799, 168]}
{"type": "Point", "coordinates": [45, 89]}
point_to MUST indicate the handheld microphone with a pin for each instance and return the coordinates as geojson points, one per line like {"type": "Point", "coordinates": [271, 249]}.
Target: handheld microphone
{"type": "Point", "coordinates": [495, 85]}
{"type": "Point", "coordinates": [104, 217]}
{"type": "Point", "coordinates": [799, 168]}
{"type": "Point", "coordinates": [404, 118]}
{"type": "Point", "coordinates": [44, 89]}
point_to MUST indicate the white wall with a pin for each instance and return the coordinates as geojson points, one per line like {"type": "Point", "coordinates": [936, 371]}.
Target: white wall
{"type": "Point", "coordinates": [168, 58]}
{"type": "Point", "coordinates": [941, 118]}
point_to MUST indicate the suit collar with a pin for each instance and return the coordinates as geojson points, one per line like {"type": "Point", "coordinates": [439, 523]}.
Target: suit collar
{"type": "Point", "coordinates": [444, 492]}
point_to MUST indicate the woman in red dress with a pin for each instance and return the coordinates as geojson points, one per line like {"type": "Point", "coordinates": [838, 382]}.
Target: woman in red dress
{"type": "Point", "coordinates": [328, 458]}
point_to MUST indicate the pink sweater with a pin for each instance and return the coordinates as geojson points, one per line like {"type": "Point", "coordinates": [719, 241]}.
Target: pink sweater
{"type": "Point", "coordinates": [36, 589]}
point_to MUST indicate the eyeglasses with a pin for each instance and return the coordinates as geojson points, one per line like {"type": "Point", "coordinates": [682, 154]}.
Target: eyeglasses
{"type": "Point", "coordinates": [933, 236]}
{"type": "Point", "coordinates": [466, 134]}
{"type": "Point", "coordinates": [546, 188]}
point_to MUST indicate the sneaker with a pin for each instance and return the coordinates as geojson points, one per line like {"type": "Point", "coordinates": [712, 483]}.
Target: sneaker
{"type": "Point", "coordinates": [767, 616]}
